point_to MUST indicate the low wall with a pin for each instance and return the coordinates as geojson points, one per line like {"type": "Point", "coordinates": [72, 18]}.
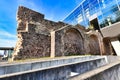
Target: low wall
{"type": "Point", "coordinates": [111, 31]}
{"type": "Point", "coordinates": [58, 69]}
{"type": "Point", "coordinates": [111, 59]}
{"type": "Point", "coordinates": [107, 72]}
{"type": "Point", "coordinates": [112, 73]}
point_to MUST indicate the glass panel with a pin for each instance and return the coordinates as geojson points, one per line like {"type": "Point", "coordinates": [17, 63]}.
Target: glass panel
{"type": "Point", "coordinates": [78, 15]}
{"type": "Point", "coordinates": [85, 4]}
{"type": "Point", "coordinates": [101, 21]}
{"type": "Point", "coordinates": [117, 13]}
{"type": "Point", "coordinates": [118, 2]}
{"type": "Point", "coordinates": [69, 19]}
{"type": "Point", "coordinates": [94, 6]}
{"type": "Point", "coordinates": [110, 13]}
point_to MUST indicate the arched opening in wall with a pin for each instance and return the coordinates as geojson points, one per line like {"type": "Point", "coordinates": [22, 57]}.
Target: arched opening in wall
{"type": "Point", "coordinates": [73, 43]}
{"type": "Point", "coordinates": [94, 45]}
{"type": "Point", "coordinates": [108, 49]}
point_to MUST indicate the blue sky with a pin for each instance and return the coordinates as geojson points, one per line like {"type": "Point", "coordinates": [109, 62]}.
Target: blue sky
{"type": "Point", "coordinates": [55, 10]}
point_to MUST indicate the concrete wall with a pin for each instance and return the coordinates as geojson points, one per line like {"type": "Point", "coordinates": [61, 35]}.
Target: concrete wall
{"type": "Point", "coordinates": [111, 34]}
{"type": "Point", "coordinates": [111, 71]}
{"type": "Point", "coordinates": [111, 31]}
{"type": "Point", "coordinates": [59, 69]}
{"type": "Point", "coordinates": [111, 59]}
{"type": "Point", "coordinates": [60, 73]}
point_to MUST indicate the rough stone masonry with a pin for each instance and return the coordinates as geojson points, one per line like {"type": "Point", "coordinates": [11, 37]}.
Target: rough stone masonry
{"type": "Point", "coordinates": [38, 37]}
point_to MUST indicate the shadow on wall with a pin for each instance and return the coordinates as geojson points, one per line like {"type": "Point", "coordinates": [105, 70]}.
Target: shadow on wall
{"type": "Point", "coordinates": [108, 49]}
{"type": "Point", "coordinates": [73, 42]}
{"type": "Point", "coordinates": [94, 45]}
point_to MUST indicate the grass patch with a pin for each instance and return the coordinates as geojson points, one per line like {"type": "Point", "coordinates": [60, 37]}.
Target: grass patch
{"type": "Point", "coordinates": [44, 58]}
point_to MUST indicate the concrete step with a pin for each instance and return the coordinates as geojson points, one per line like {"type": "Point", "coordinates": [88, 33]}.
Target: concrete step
{"type": "Point", "coordinates": [108, 72]}
{"type": "Point", "coordinates": [54, 67]}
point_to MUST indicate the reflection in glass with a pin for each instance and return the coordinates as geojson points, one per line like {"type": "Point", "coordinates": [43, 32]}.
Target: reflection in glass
{"type": "Point", "coordinates": [107, 12]}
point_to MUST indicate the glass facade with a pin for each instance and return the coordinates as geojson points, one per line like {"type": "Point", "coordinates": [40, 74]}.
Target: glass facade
{"type": "Point", "coordinates": [106, 12]}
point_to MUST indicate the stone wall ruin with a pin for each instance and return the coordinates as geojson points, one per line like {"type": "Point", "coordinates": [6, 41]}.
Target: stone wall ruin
{"type": "Point", "coordinates": [38, 37]}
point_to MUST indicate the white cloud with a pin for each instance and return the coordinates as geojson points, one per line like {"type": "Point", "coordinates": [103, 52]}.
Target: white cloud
{"type": "Point", "coordinates": [5, 33]}
{"type": "Point", "coordinates": [7, 43]}
{"type": "Point", "coordinates": [7, 39]}
{"type": "Point", "coordinates": [1, 52]}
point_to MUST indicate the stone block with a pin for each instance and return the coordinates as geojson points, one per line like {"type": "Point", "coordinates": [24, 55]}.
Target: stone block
{"type": "Point", "coordinates": [25, 67]}
{"type": "Point", "coordinates": [36, 65]}
{"type": "Point", "coordinates": [12, 69]}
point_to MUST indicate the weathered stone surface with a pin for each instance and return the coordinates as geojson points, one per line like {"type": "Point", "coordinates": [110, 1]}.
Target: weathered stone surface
{"type": "Point", "coordinates": [9, 68]}
{"type": "Point", "coordinates": [35, 38]}
{"type": "Point", "coordinates": [69, 41]}
{"type": "Point", "coordinates": [33, 34]}
{"type": "Point", "coordinates": [94, 43]}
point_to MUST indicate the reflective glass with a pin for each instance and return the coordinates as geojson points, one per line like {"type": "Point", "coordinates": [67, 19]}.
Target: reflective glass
{"type": "Point", "coordinates": [70, 19]}
{"type": "Point", "coordinates": [110, 12]}
{"type": "Point", "coordinates": [101, 21]}
{"type": "Point", "coordinates": [94, 6]}
{"type": "Point", "coordinates": [107, 12]}
{"type": "Point", "coordinates": [118, 1]}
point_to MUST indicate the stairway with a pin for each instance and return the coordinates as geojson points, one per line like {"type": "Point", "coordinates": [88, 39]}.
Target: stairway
{"type": "Point", "coordinates": [111, 71]}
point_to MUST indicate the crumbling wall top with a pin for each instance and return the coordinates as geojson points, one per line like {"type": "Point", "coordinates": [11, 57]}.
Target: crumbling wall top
{"type": "Point", "coordinates": [26, 14]}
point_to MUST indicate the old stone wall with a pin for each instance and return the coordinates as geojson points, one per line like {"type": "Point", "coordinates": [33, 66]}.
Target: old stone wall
{"type": "Point", "coordinates": [33, 34]}
{"type": "Point", "coordinates": [69, 41]}
{"type": "Point", "coordinates": [35, 39]}
{"type": "Point", "coordinates": [73, 40]}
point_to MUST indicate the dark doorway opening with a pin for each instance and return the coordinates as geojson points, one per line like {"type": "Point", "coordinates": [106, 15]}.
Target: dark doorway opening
{"type": "Point", "coordinates": [95, 24]}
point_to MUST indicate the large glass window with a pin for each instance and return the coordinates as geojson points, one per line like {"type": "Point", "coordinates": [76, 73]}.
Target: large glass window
{"type": "Point", "coordinates": [86, 8]}
{"type": "Point", "coordinates": [94, 7]}
{"type": "Point", "coordinates": [106, 10]}
{"type": "Point", "coordinates": [101, 21]}
{"type": "Point", "coordinates": [118, 1]}
{"type": "Point", "coordinates": [78, 15]}
{"type": "Point", "coordinates": [70, 19]}
{"type": "Point", "coordinates": [118, 13]}
{"type": "Point", "coordinates": [110, 12]}
{"type": "Point", "coordinates": [86, 11]}
{"type": "Point", "coordinates": [79, 18]}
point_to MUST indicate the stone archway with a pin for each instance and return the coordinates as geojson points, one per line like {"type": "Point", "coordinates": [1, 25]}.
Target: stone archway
{"type": "Point", "coordinates": [94, 45]}
{"type": "Point", "coordinates": [73, 42]}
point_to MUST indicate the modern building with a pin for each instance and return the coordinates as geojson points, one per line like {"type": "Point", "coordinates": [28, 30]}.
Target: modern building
{"type": "Point", "coordinates": [102, 15]}
{"type": "Point", "coordinates": [97, 13]}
